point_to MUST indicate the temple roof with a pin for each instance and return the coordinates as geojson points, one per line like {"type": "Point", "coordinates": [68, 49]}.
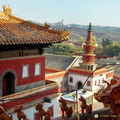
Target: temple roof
{"type": "Point", "coordinates": [112, 60]}
{"type": "Point", "coordinates": [61, 61]}
{"type": "Point", "coordinates": [16, 31]}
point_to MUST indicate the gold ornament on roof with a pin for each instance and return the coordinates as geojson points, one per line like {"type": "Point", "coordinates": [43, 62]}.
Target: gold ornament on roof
{"type": "Point", "coordinates": [6, 10]}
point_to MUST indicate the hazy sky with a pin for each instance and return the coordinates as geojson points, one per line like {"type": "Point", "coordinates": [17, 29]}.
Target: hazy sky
{"type": "Point", "coordinates": [98, 12]}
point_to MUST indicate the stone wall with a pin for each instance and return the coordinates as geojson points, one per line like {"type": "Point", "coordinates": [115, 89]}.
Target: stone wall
{"type": "Point", "coordinates": [102, 114]}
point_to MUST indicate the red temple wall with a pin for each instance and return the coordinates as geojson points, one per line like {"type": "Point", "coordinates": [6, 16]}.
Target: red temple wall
{"type": "Point", "coordinates": [16, 64]}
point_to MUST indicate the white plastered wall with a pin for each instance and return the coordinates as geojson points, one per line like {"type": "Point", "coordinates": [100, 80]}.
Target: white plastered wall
{"type": "Point", "coordinates": [82, 79]}
{"type": "Point", "coordinates": [31, 111]}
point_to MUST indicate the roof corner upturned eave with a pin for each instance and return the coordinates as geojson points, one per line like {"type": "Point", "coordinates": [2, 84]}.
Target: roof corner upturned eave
{"type": "Point", "coordinates": [17, 31]}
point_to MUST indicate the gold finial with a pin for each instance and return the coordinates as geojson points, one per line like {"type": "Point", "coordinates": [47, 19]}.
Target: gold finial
{"type": "Point", "coordinates": [90, 27]}
{"type": "Point", "coordinates": [6, 10]}
{"type": "Point", "coordinates": [89, 36]}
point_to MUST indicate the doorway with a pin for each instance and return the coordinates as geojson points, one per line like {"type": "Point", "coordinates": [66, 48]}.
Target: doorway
{"type": "Point", "coordinates": [79, 85]}
{"type": "Point", "coordinates": [8, 84]}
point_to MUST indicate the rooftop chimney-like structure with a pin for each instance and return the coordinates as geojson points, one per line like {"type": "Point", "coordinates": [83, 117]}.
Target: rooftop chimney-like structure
{"type": "Point", "coordinates": [88, 56]}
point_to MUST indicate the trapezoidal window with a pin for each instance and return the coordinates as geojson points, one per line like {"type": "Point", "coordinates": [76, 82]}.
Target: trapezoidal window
{"type": "Point", "coordinates": [25, 71]}
{"type": "Point", "coordinates": [8, 84]}
{"type": "Point", "coordinates": [95, 83]}
{"type": "Point", "coordinates": [37, 69]}
{"type": "Point", "coordinates": [71, 80]}
{"type": "Point", "coordinates": [88, 83]}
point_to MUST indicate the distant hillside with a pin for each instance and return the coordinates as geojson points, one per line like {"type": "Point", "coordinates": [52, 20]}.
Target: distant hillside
{"type": "Point", "coordinates": [99, 32]}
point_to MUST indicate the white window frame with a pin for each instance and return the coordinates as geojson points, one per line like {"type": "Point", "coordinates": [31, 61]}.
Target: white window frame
{"type": "Point", "coordinates": [25, 71]}
{"type": "Point", "coordinates": [37, 69]}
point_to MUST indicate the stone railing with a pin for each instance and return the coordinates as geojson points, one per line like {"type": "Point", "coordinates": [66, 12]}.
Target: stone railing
{"type": "Point", "coordinates": [29, 92]}
{"type": "Point", "coordinates": [102, 114]}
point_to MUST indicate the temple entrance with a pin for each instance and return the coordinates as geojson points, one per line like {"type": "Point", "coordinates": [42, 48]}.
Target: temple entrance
{"type": "Point", "coordinates": [8, 84]}
{"type": "Point", "coordinates": [79, 85]}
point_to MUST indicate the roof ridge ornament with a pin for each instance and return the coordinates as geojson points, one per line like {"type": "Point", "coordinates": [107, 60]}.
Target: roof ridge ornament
{"type": "Point", "coordinates": [47, 26]}
{"type": "Point", "coordinates": [7, 10]}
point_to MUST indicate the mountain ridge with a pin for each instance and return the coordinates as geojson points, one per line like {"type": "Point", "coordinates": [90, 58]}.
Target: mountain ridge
{"type": "Point", "coordinates": [100, 32]}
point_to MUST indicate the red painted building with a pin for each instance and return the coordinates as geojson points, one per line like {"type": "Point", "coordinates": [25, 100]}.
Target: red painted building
{"type": "Point", "coordinates": [19, 71]}
{"type": "Point", "coordinates": [22, 66]}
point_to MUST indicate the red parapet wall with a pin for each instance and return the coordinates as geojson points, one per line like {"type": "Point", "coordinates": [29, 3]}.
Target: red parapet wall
{"type": "Point", "coordinates": [87, 72]}
{"type": "Point", "coordinates": [110, 74]}
{"type": "Point", "coordinates": [79, 71]}
{"type": "Point", "coordinates": [116, 77]}
{"type": "Point", "coordinates": [31, 98]}
{"type": "Point", "coordinates": [15, 65]}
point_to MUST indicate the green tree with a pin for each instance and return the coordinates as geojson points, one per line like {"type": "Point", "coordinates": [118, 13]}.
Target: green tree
{"type": "Point", "coordinates": [81, 39]}
{"type": "Point", "coordinates": [94, 40]}
{"type": "Point", "coordinates": [112, 50]}
{"type": "Point", "coordinates": [106, 42]}
{"type": "Point", "coordinates": [118, 58]}
{"type": "Point", "coordinates": [61, 49]}
{"type": "Point", "coordinates": [99, 49]}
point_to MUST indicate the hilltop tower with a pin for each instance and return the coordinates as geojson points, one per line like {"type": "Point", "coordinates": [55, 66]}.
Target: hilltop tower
{"type": "Point", "coordinates": [88, 56]}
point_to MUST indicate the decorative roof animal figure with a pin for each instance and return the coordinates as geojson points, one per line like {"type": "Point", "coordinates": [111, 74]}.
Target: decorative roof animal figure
{"type": "Point", "coordinates": [47, 116]}
{"type": "Point", "coordinates": [103, 94]}
{"type": "Point", "coordinates": [6, 10]}
{"type": "Point", "coordinates": [64, 108]}
{"type": "Point", "coordinates": [41, 111]}
{"type": "Point", "coordinates": [20, 115]}
{"type": "Point", "coordinates": [4, 115]}
{"type": "Point", "coordinates": [110, 96]}
{"type": "Point", "coordinates": [84, 106]}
